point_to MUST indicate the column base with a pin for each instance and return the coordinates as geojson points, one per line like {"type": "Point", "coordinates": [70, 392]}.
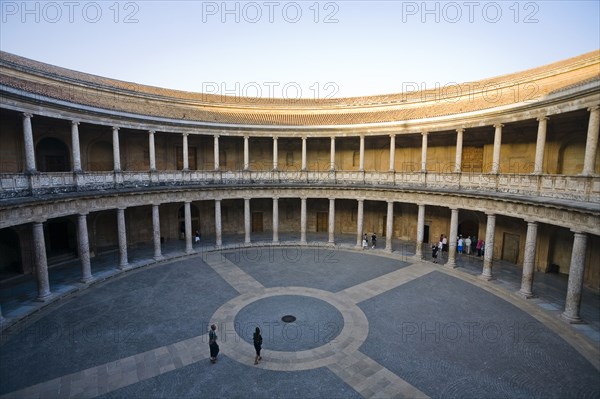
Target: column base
{"type": "Point", "coordinates": [87, 280]}
{"type": "Point", "coordinates": [571, 319]}
{"type": "Point", "coordinates": [485, 277]}
{"type": "Point", "coordinates": [526, 295]}
{"type": "Point", "coordinates": [450, 265]}
{"type": "Point", "coordinates": [44, 297]}
{"type": "Point", "coordinates": [158, 257]}
{"type": "Point", "coordinates": [124, 266]}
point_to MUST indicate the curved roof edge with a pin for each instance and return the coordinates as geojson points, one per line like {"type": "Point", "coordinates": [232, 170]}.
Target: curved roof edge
{"type": "Point", "coordinates": [526, 86]}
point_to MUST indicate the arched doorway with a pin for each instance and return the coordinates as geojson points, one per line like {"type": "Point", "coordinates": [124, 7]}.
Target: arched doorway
{"type": "Point", "coordinates": [10, 254]}
{"type": "Point", "coordinates": [61, 240]}
{"type": "Point", "coordinates": [100, 157]}
{"type": "Point", "coordinates": [570, 158]}
{"type": "Point", "coordinates": [52, 155]}
{"type": "Point", "coordinates": [195, 213]}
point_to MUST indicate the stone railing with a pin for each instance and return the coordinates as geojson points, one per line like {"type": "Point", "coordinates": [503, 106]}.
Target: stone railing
{"type": "Point", "coordinates": [577, 188]}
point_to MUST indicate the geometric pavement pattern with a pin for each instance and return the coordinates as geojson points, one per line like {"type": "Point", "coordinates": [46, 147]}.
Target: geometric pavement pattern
{"type": "Point", "coordinates": [399, 329]}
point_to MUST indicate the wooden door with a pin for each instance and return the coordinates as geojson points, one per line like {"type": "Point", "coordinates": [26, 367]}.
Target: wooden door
{"type": "Point", "coordinates": [322, 221]}
{"type": "Point", "coordinates": [510, 247]}
{"type": "Point", "coordinates": [257, 222]}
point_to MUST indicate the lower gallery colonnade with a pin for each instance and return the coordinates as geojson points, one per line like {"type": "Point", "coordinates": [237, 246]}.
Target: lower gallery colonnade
{"type": "Point", "coordinates": [83, 174]}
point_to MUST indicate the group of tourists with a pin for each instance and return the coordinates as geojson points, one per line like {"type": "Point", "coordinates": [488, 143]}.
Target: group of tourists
{"type": "Point", "coordinates": [365, 241]}
{"type": "Point", "coordinates": [466, 246]}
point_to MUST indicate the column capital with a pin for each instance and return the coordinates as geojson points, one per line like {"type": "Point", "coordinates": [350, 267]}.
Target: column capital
{"type": "Point", "coordinates": [390, 201]}
{"type": "Point", "coordinates": [156, 203]}
{"type": "Point", "coordinates": [216, 136]}
{"type": "Point", "coordinates": [151, 131]}
{"type": "Point", "coordinates": [39, 221]}
{"type": "Point", "coordinates": [83, 214]}
{"type": "Point", "coordinates": [460, 130]}
{"type": "Point", "coordinates": [187, 201]}
{"type": "Point", "coordinates": [275, 138]}
{"type": "Point", "coordinates": [454, 208]}
{"type": "Point", "coordinates": [392, 135]}
{"type": "Point", "coordinates": [594, 108]}
{"type": "Point", "coordinates": [424, 133]}
{"type": "Point", "coordinates": [121, 208]}
{"type": "Point", "coordinates": [247, 198]}
{"type": "Point", "coordinates": [275, 198]}
{"type": "Point", "coordinates": [116, 128]}
{"type": "Point", "coordinates": [578, 232]}
{"type": "Point", "coordinates": [303, 198]}
{"type": "Point", "coordinates": [246, 137]}
{"type": "Point", "coordinates": [185, 134]}
{"type": "Point", "coordinates": [542, 118]}
{"type": "Point", "coordinates": [360, 199]}
{"type": "Point", "coordinates": [490, 215]}
{"type": "Point", "coordinates": [304, 137]}
{"type": "Point", "coordinates": [498, 125]}
{"type": "Point", "coordinates": [75, 122]}
{"type": "Point", "coordinates": [27, 114]}
{"type": "Point", "coordinates": [531, 221]}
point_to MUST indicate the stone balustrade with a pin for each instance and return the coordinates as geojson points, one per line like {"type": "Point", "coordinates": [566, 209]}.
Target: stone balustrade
{"type": "Point", "coordinates": [562, 187]}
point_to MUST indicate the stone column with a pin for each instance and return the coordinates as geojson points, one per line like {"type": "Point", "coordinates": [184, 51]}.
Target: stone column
{"type": "Point", "coordinates": [332, 155]}
{"type": "Point", "coordinates": [360, 222]}
{"type": "Point", "coordinates": [452, 238]}
{"type": "Point", "coordinates": [75, 144]}
{"type": "Point", "coordinates": [218, 231]}
{"type": "Point", "coordinates": [488, 255]}
{"type": "Point", "coordinates": [28, 139]}
{"type": "Point", "coordinates": [331, 227]}
{"type": "Point", "coordinates": [575, 284]}
{"type": "Point", "coordinates": [424, 153]}
{"type": "Point", "coordinates": [152, 150]}
{"type": "Point", "coordinates": [41, 264]}
{"type": "Point", "coordinates": [497, 145]}
{"type": "Point", "coordinates": [392, 152]}
{"type": "Point", "coordinates": [459, 147]}
{"type": "Point", "coordinates": [361, 154]}
{"type": "Point", "coordinates": [420, 231]}
{"type": "Point", "coordinates": [275, 154]}
{"type": "Point", "coordinates": [216, 152]}
{"type": "Point", "coordinates": [187, 207]}
{"type": "Point", "coordinates": [275, 220]}
{"type": "Point", "coordinates": [529, 261]}
{"type": "Point", "coordinates": [540, 145]}
{"type": "Point", "coordinates": [303, 220]}
{"type": "Point", "coordinates": [122, 235]}
{"type": "Point", "coordinates": [116, 149]}
{"type": "Point", "coordinates": [246, 152]}
{"type": "Point", "coordinates": [247, 220]}
{"type": "Point", "coordinates": [186, 159]}
{"type": "Point", "coordinates": [389, 226]}
{"type": "Point", "coordinates": [591, 144]}
{"type": "Point", "coordinates": [304, 153]}
{"type": "Point", "coordinates": [83, 248]}
{"type": "Point", "coordinates": [156, 231]}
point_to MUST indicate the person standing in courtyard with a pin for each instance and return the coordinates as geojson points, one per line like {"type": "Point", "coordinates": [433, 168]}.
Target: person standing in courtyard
{"type": "Point", "coordinates": [460, 244]}
{"type": "Point", "coordinates": [365, 242]}
{"type": "Point", "coordinates": [257, 338]}
{"type": "Point", "coordinates": [374, 240]}
{"type": "Point", "coordinates": [468, 245]}
{"type": "Point", "coordinates": [212, 343]}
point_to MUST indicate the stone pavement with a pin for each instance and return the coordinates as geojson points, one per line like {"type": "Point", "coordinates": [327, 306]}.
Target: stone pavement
{"type": "Point", "coordinates": [369, 324]}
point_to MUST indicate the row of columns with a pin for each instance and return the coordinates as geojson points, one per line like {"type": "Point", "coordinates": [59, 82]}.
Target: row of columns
{"type": "Point", "coordinates": [588, 167]}
{"type": "Point", "coordinates": [576, 273]}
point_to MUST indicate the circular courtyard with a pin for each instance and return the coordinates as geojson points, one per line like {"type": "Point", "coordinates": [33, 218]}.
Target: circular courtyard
{"type": "Point", "coordinates": [365, 325]}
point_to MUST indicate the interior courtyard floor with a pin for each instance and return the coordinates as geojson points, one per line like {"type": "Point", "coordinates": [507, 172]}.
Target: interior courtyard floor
{"type": "Point", "coordinates": [368, 324]}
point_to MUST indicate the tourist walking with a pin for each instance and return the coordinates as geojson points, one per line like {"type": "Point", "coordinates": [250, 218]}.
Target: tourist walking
{"type": "Point", "coordinates": [434, 252]}
{"type": "Point", "coordinates": [257, 338]}
{"type": "Point", "coordinates": [365, 242]}
{"type": "Point", "coordinates": [460, 244]}
{"type": "Point", "coordinates": [478, 247]}
{"type": "Point", "coordinates": [212, 343]}
{"type": "Point", "coordinates": [374, 240]}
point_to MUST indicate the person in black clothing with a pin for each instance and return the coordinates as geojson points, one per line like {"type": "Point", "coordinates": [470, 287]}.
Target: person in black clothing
{"type": "Point", "coordinates": [374, 240]}
{"type": "Point", "coordinates": [212, 344]}
{"type": "Point", "coordinates": [434, 253]}
{"type": "Point", "coordinates": [257, 338]}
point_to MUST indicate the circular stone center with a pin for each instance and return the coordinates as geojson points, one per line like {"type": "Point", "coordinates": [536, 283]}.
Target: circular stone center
{"type": "Point", "coordinates": [307, 322]}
